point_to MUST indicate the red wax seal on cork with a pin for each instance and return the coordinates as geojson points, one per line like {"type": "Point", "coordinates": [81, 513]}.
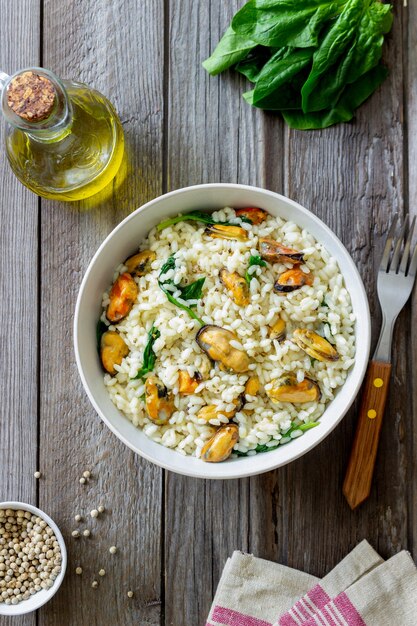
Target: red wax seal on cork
{"type": "Point", "coordinates": [31, 96]}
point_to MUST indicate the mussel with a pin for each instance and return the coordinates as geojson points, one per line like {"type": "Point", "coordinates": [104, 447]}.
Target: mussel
{"type": "Point", "coordinates": [277, 330]}
{"type": "Point", "coordinates": [237, 286]}
{"type": "Point", "coordinates": [291, 280]}
{"type": "Point", "coordinates": [211, 411]}
{"type": "Point", "coordinates": [122, 297]}
{"type": "Point", "coordinates": [274, 252]}
{"type": "Point", "coordinates": [288, 389]}
{"type": "Point", "coordinates": [252, 386]}
{"type": "Point", "coordinates": [140, 264]}
{"type": "Point", "coordinates": [253, 214]}
{"type": "Point", "coordinates": [158, 400]}
{"type": "Point", "coordinates": [219, 231]}
{"type": "Point", "coordinates": [188, 384]}
{"type": "Point", "coordinates": [220, 446]}
{"type": "Point", "coordinates": [215, 341]}
{"type": "Point", "coordinates": [113, 350]}
{"type": "Point", "coordinates": [315, 345]}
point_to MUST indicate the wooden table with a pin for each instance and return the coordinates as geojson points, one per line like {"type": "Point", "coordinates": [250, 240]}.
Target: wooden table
{"type": "Point", "coordinates": [183, 127]}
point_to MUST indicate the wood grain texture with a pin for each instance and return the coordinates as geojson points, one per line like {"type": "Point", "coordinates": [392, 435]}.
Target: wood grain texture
{"type": "Point", "coordinates": [117, 48]}
{"type": "Point", "coordinates": [358, 480]}
{"type": "Point", "coordinates": [212, 136]}
{"type": "Point", "coordinates": [351, 176]}
{"type": "Point", "coordinates": [183, 127]}
{"type": "Point", "coordinates": [18, 290]}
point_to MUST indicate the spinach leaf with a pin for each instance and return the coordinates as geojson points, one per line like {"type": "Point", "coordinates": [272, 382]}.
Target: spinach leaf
{"type": "Point", "coordinates": [279, 70]}
{"type": "Point", "coordinates": [252, 65]}
{"type": "Point", "coordinates": [197, 216]}
{"type": "Point", "coordinates": [264, 448]}
{"type": "Point", "coordinates": [254, 260]}
{"type": "Point", "coordinates": [101, 328]}
{"type": "Point", "coordinates": [343, 111]}
{"type": "Point", "coordinates": [283, 22]}
{"type": "Point", "coordinates": [331, 84]}
{"type": "Point", "coordinates": [375, 23]}
{"type": "Point", "coordinates": [192, 291]}
{"type": "Point", "coordinates": [334, 44]}
{"type": "Point", "coordinates": [231, 49]}
{"type": "Point", "coordinates": [149, 356]}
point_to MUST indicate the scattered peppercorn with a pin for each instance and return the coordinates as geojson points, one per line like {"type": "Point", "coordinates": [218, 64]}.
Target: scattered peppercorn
{"type": "Point", "coordinates": [86, 474]}
{"type": "Point", "coordinates": [82, 480]}
{"type": "Point", "coordinates": [86, 532]}
{"type": "Point", "coordinates": [37, 474]}
{"type": "Point", "coordinates": [94, 513]}
{"type": "Point", "coordinates": [112, 549]}
{"type": "Point", "coordinates": [79, 570]}
{"type": "Point", "coordinates": [78, 518]}
{"type": "Point", "coordinates": [102, 572]}
{"type": "Point", "coordinates": [130, 594]}
{"type": "Point", "coordinates": [94, 584]}
{"type": "Point", "coordinates": [75, 534]}
{"type": "Point", "coordinates": [101, 509]}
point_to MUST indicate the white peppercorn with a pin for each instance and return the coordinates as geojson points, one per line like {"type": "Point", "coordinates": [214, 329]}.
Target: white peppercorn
{"type": "Point", "coordinates": [94, 513]}
{"type": "Point", "coordinates": [130, 594]}
{"type": "Point", "coordinates": [101, 509]}
{"type": "Point", "coordinates": [86, 474]}
{"type": "Point", "coordinates": [26, 560]}
{"type": "Point", "coordinates": [112, 549]}
{"type": "Point", "coordinates": [75, 533]}
{"type": "Point", "coordinates": [102, 572]}
{"type": "Point", "coordinates": [86, 532]}
{"type": "Point", "coordinates": [79, 570]}
{"type": "Point", "coordinates": [37, 474]}
{"type": "Point", "coordinates": [94, 584]}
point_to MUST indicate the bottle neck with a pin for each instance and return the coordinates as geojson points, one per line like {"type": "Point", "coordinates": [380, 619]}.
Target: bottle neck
{"type": "Point", "coordinates": [56, 125]}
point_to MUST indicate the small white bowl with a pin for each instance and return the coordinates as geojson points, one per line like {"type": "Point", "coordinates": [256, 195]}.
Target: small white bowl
{"type": "Point", "coordinates": [41, 597]}
{"type": "Point", "coordinates": [124, 241]}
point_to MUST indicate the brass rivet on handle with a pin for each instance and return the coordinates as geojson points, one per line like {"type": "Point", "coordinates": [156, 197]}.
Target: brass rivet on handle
{"type": "Point", "coordinates": [371, 414]}
{"type": "Point", "coordinates": [378, 382]}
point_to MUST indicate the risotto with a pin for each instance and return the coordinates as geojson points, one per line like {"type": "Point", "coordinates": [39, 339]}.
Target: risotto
{"type": "Point", "coordinates": [226, 334]}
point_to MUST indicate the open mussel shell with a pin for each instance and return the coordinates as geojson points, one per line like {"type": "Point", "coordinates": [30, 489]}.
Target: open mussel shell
{"type": "Point", "coordinates": [288, 389]}
{"type": "Point", "coordinates": [216, 343]}
{"type": "Point", "coordinates": [274, 252]}
{"type": "Point", "coordinates": [220, 446]}
{"type": "Point", "coordinates": [316, 346]}
{"type": "Point", "coordinates": [291, 280]}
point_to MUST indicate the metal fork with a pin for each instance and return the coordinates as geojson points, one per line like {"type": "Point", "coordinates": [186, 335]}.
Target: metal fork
{"type": "Point", "coordinates": [396, 277]}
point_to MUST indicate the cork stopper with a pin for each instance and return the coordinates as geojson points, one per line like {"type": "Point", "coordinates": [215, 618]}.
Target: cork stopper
{"type": "Point", "coordinates": [31, 96]}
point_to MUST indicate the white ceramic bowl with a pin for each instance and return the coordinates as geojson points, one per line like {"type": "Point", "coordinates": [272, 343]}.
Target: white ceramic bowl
{"type": "Point", "coordinates": [41, 597]}
{"type": "Point", "coordinates": [124, 241]}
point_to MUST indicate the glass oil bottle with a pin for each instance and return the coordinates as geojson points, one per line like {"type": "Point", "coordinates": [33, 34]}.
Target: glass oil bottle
{"type": "Point", "coordinates": [64, 140]}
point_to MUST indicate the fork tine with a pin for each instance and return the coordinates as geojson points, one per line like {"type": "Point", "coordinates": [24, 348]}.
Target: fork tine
{"type": "Point", "coordinates": [413, 265]}
{"type": "Point", "coordinates": [397, 247]}
{"type": "Point", "coordinates": [407, 246]}
{"type": "Point", "coordinates": [388, 244]}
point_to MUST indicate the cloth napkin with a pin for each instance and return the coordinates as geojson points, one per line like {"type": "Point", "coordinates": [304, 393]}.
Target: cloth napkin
{"type": "Point", "coordinates": [362, 590]}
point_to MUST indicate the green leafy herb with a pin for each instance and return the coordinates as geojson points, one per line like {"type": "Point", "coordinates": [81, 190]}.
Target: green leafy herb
{"type": "Point", "coordinates": [193, 291]}
{"type": "Point", "coordinates": [294, 427]}
{"type": "Point", "coordinates": [231, 49]}
{"type": "Point", "coordinates": [149, 356]}
{"type": "Point", "coordinates": [197, 216]}
{"type": "Point", "coordinates": [101, 328]}
{"type": "Point", "coordinates": [315, 61]}
{"type": "Point", "coordinates": [254, 260]}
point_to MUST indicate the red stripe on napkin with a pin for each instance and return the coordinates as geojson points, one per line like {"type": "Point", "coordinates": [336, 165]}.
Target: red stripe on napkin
{"type": "Point", "coordinates": [349, 612]}
{"type": "Point", "coordinates": [228, 617]}
{"type": "Point", "coordinates": [317, 599]}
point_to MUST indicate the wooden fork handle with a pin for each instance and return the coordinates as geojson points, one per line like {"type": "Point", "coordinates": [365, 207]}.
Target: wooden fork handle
{"type": "Point", "coordinates": [358, 479]}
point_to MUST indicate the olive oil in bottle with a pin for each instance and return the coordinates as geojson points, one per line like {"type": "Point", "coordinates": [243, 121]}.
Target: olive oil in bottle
{"type": "Point", "coordinates": [64, 140]}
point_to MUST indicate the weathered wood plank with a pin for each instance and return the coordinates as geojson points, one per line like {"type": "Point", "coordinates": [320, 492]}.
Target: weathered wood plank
{"type": "Point", "coordinates": [116, 47]}
{"type": "Point", "coordinates": [213, 136]}
{"type": "Point", "coordinates": [410, 62]}
{"type": "Point", "coordinates": [19, 32]}
{"type": "Point", "coordinates": [352, 177]}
